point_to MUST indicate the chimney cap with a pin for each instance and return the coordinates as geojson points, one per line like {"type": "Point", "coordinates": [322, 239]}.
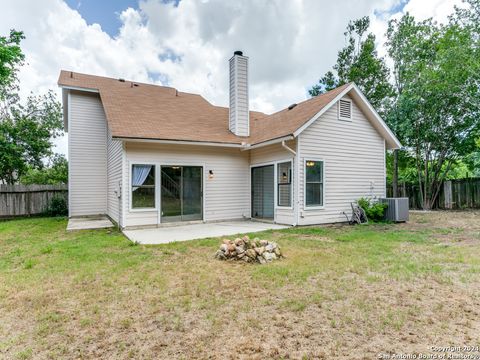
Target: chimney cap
{"type": "Point", "coordinates": [238, 52]}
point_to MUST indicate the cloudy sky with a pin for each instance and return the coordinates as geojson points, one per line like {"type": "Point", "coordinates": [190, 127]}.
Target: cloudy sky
{"type": "Point", "coordinates": [186, 44]}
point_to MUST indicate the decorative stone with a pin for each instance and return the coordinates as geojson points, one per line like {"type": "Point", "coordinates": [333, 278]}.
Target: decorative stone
{"type": "Point", "coordinates": [239, 242]}
{"type": "Point", "coordinates": [268, 256]}
{"type": "Point", "coordinates": [220, 255]}
{"type": "Point", "coordinates": [261, 260]}
{"type": "Point", "coordinates": [224, 247]}
{"type": "Point", "coordinates": [251, 251]}
{"type": "Point", "coordinates": [259, 250]}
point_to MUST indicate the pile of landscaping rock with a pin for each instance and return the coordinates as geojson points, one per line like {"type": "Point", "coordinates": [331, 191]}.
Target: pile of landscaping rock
{"type": "Point", "coordinates": [256, 250]}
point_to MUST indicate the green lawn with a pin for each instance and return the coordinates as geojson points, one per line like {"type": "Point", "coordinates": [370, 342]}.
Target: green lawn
{"type": "Point", "coordinates": [341, 292]}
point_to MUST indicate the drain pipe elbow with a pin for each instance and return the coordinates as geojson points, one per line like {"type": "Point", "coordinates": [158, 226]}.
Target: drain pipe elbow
{"type": "Point", "coordinates": [288, 148]}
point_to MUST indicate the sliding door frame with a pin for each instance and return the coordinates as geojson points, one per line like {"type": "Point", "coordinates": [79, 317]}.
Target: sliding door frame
{"type": "Point", "coordinates": [252, 198]}
{"type": "Point", "coordinates": [159, 186]}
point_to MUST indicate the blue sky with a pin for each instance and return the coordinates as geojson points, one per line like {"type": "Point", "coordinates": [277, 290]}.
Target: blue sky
{"type": "Point", "coordinates": [104, 12]}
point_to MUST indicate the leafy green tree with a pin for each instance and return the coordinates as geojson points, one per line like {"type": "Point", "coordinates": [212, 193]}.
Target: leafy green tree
{"type": "Point", "coordinates": [26, 135]}
{"type": "Point", "coordinates": [436, 111]}
{"type": "Point", "coordinates": [359, 62]}
{"type": "Point", "coordinates": [408, 44]}
{"type": "Point", "coordinates": [26, 130]}
{"type": "Point", "coordinates": [55, 173]}
{"type": "Point", "coordinates": [11, 57]}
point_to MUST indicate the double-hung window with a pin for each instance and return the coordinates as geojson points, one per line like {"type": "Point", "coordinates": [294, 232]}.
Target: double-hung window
{"type": "Point", "coordinates": [314, 183]}
{"type": "Point", "coordinates": [284, 183]}
{"type": "Point", "coordinates": [143, 186]}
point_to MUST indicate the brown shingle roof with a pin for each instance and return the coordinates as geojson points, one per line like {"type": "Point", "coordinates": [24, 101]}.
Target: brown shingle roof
{"type": "Point", "coordinates": [137, 110]}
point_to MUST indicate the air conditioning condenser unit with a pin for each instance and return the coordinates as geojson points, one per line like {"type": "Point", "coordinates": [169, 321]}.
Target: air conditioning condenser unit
{"type": "Point", "coordinates": [397, 210]}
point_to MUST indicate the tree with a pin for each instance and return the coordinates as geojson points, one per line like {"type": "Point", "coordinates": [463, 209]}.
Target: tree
{"type": "Point", "coordinates": [26, 130]}
{"type": "Point", "coordinates": [436, 112]}
{"type": "Point", "coordinates": [359, 62]}
{"type": "Point", "coordinates": [406, 55]}
{"type": "Point", "coordinates": [11, 57]}
{"type": "Point", "coordinates": [55, 173]}
{"type": "Point", "coordinates": [26, 135]}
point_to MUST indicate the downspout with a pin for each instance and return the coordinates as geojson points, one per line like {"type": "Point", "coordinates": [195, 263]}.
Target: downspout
{"type": "Point", "coordinates": [295, 191]}
{"type": "Point", "coordinates": [297, 184]}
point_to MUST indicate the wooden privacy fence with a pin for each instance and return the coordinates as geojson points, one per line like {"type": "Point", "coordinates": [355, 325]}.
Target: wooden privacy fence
{"type": "Point", "coordinates": [25, 200]}
{"type": "Point", "coordinates": [454, 194]}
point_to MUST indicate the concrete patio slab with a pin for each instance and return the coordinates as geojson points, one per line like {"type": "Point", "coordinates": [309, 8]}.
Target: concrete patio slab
{"type": "Point", "coordinates": [164, 235]}
{"type": "Point", "coordinates": [88, 223]}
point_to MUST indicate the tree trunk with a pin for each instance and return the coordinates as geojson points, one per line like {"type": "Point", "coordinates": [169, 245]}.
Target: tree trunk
{"type": "Point", "coordinates": [395, 173]}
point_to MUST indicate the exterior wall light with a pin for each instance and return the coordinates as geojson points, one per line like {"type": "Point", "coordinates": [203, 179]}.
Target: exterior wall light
{"type": "Point", "coordinates": [210, 174]}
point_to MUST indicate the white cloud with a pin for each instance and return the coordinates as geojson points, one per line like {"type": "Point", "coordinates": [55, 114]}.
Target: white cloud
{"type": "Point", "coordinates": [290, 44]}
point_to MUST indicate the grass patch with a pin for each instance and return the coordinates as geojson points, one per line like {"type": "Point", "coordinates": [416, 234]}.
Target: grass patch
{"type": "Point", "coordinates": [94, 294]}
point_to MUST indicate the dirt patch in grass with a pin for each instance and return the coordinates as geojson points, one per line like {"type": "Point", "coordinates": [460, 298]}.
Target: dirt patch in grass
{"type": "Point", "coordinates": [341, 292]}
{"type": "Point", "coordinates": [449, 227]}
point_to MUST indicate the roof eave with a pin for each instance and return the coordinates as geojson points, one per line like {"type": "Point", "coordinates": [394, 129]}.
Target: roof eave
{"type": "Point", "coordinates": [178, 142]}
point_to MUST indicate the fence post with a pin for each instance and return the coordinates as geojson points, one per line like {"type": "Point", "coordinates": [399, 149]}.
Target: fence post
{"type": "Point", "coordinates": [447, 191]}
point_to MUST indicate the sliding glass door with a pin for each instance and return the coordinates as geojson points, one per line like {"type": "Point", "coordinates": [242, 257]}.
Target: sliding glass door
{"type": "Point", "coordinates": [181, 193]}
{"type": "Point", "coordinates": [263, 190]}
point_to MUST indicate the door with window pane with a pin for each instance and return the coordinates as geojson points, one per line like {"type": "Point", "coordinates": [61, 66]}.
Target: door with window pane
{"type": "Point", "coordinates": [263, 190]}
{"type": "Point", "coordinates": [181, 193]}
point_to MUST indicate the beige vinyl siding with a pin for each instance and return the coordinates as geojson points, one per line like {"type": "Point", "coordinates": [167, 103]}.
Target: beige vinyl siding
{"type": "Point", "coordinates": [354, 160]}
{"type": "Point", "coordinates": [226, 195]}
{"type": "Point", "coordinates": [114, 175]}
{"type": "Point", "coordinates": [272, 154]}
{"type": "Point", "coordinates": [87, 137]}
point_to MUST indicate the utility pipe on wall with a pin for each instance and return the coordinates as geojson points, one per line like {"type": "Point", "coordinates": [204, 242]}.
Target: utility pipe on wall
{"type": "Point", "coordinates": [288, 148]}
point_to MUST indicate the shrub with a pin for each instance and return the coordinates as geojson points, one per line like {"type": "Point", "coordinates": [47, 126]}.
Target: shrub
{"type": "Point", "coordinates": [375, 210]}
{"type": "Point", "coordinates": [57, 207]}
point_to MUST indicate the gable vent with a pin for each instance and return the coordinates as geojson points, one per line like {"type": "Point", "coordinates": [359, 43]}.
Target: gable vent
{"type": "Point", "coordinates": [345, 109]}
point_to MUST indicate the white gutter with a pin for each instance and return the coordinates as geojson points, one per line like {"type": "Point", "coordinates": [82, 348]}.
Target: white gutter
{"type": "Point", "coordinates": [179, 142]}
{"type": "Point", "coordinates": [266, 143]}
{"type": "Point", "coordinates": [288, 148]}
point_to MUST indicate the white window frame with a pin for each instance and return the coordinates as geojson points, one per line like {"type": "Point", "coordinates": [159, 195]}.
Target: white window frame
{"type": "Point", "coordinates": [291, 184]}
{"type": "Point", "coordinates": [155, 167]}
{"type": "Point", "coordinates": [313, 207]}
{"type": "Point", "coordinates": [275, 194]}
{"type": "Point", "coordinates": [351, 110]}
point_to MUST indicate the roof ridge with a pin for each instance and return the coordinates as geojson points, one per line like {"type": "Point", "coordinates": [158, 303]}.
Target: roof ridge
{"type": "Point", "coordinates": [126, 80]}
